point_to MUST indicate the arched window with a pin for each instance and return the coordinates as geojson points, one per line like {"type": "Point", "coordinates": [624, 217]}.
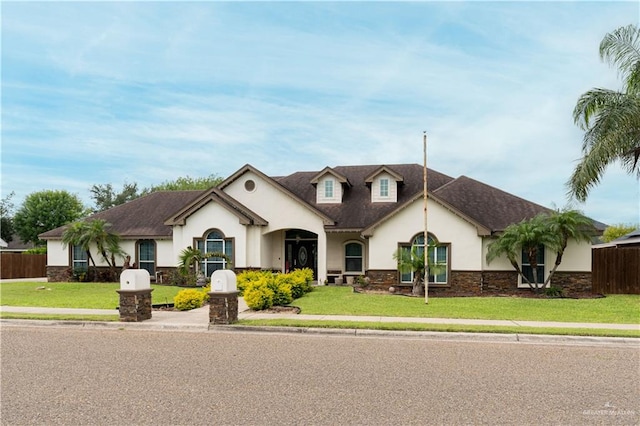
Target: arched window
{"type": "Point", "coordinates": [353, 257]}
{"type": "Point", "coordinates": [438, 259]}
{"type": "Point", "coordinates": [214, 242]}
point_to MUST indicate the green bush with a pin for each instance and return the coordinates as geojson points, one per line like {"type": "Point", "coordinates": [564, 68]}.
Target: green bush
{"type": "Point", "coordinates": [263, 289]}
{"type": "Point", "coordinates": [244, 278]}
{"type": "Point", "coordinates": [553, 291]}
{"type": "Point", "coordinates": [189, 298]}
{"type": "Point", "coordinates": [282, 294]}
{"type": "Point", "coordinates": [258, 294]}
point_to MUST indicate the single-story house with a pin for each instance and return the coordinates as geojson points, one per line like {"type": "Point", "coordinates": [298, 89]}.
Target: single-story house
{"type": "Point", "coordinates": [344, 221]}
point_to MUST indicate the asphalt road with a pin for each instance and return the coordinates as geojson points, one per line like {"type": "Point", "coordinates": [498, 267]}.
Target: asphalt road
{"type": "Point", "coordinates": [68, 376]}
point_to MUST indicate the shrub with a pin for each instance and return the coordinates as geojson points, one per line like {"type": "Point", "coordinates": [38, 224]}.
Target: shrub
{"type": "Point", "coordinates": [300, 281]}
{"type": "Point", "coordinates": [246, 277]}
{"type": "Point", "coordinates": [189, 298]}
{"type": "Point", "coordinates": [282, 293]}
{"type": "Point", "coordinates": [258, 294]}
{"type": "Point", "coordinates": [553, 291]}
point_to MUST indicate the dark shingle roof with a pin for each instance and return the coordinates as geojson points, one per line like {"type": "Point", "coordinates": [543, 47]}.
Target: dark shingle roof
{"type": "Point", "coordinates": [356, 210]}
{"type": "Point", "coordinates": [489, 206]}
{"type": "Point", "coordinates": [142, 217]}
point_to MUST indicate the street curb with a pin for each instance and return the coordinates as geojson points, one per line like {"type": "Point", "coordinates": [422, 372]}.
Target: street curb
{"type": "Point", "coordinates": [439, 335]}
{"type": "Point", "coordinates": [425, 335]}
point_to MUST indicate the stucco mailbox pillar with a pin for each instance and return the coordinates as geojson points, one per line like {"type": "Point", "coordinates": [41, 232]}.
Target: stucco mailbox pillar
{"type": "Point", "coordinates": [223, 298]}
{"type": "Point", "coordinates": [135, 295]}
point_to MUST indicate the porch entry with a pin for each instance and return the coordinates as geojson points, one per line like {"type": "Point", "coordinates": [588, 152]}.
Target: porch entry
{"type": "Point", "coordinates": [301, 251]}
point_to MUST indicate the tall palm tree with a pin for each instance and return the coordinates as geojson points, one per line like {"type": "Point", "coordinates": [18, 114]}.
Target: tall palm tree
{"type": "Point", "coordinates": [610, 119]}
{"type": "Point", "coordinates": [526, 237]}
{"type": "Point", "coordinates": [567, 225]}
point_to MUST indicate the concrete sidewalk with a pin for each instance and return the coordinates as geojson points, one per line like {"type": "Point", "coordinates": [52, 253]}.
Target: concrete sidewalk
{"type": "Point", "coordinates": [199, 318]}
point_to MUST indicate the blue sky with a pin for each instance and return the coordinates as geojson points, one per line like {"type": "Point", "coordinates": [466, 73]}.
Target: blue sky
{"type": "Point", "coordinates": [143, 92]}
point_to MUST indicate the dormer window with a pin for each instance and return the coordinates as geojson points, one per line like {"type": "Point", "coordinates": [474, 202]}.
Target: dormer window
{"type": "Point", "coordinates": [384, 188]}
{"type": "Point", "coordinates": [328, 188]}
{"type": "Point", "coordinates": [384, 183]}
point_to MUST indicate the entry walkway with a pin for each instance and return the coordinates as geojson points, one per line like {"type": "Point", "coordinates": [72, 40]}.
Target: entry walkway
{"type": "Point", "coordinates": [199, 318]}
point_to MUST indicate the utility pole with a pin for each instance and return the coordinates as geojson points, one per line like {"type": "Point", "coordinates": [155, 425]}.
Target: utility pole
{"type": "Point", "coordinates": [426, 235]}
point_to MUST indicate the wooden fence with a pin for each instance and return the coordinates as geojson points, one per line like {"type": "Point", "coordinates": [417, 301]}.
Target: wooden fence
{"type": "Point", "coordinates": [17, 265]}
{"type": "Point", "coordinates": [616, 270]}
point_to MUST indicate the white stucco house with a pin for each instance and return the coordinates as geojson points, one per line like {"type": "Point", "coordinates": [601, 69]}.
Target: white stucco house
{"type": "Point", "coordinates": [340, 221]}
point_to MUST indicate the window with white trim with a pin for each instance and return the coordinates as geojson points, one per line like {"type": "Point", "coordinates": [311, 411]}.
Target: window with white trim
{"type": "Point", "coordinates": [438, 254]}
{"type": "Point", "coordinates": [384, 187]}
{"type": "Point", "coordinates": [79, 259]}
{"type": "Point", "coordinates": [214, 242]}
{"type": "Point", "coordinates": [328, 188]}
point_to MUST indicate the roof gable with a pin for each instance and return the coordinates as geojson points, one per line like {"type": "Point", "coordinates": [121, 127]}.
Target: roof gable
{"type": "Point", "coordinates": [382, 169]}
{"type": "Point", "coordinates": [328, 170]}
{"type": "Point", "coordinates": [244, 214]}
{"type": "Point", "coordinates": [275, 182]}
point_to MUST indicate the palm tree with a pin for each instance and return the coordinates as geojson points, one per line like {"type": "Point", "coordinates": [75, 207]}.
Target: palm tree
{"type": "Point", "coordinates": [108, 243]}
{"type": "Point", "coordinates": [84, 233]}
{"type": "Point", "coordinates": [526, 237]}
{"type": "Point", "coordinates": [567, 225]}
{"type": "Point", "coordinates": [76, 235]}
{"type": "Point", "coordinates": [413, 261]}
{"type": "Point", "coordinates": [611, 119]}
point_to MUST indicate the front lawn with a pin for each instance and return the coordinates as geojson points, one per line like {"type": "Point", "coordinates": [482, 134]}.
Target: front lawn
{"type": "Point", "coordinates": [329, 300]}
{"type": "Point", "coordinates": [74, 295]}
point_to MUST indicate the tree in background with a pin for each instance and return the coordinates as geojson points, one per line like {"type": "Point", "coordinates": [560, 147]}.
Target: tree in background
{"type": "Point", "coordinates": [525, 239]}
{"type": "Point", "coordinates": [610, 119]}
{"type": "Point", "coordinates": [6, 218]}
{"type": "Point", "coordinates": [105, 196]}
{"type": "Point", "coordinates": [185, 183]}
{"type": "Point", "coordinates": [613, 232]}
{"type": "Point", "coordinates": [45, 210]}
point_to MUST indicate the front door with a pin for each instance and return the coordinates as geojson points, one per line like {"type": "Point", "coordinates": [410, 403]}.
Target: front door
{"type": "Point", "coordinates": [301, 253]}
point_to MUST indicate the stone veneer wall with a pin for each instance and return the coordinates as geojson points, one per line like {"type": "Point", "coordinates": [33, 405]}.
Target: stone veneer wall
{"type": "Point", "coordinates": [478, 283]}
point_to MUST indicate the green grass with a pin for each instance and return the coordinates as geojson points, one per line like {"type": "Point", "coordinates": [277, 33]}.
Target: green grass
{"type": "Point", "coordinates": [73, 295]}
{"type": "Point", "coordinates": [59, 317]}
{"type": "Point", "coordinates": [398, 326]}
{"type": "Point", "coordinates": [329, 300]}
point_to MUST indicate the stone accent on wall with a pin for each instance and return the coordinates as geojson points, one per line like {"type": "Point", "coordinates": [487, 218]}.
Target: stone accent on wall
{"type": "Point", "coordinates": [135, 305]}
{"type": "Point", "coordinates": [382, 279]}
{"type": "Point", "coordinates": [499, 281]}
{"type": "Point", "coordinates": [572, 282]}
{"type": "Point", "coordinates": [223, 307]}
{"type": "Point", "coordinates": [482, 283]}
{"type": "Point", "coordinates": [58, 274]}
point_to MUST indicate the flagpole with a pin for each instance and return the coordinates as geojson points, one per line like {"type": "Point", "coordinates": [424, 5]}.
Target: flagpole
{"type": "Point", "coordinates": [426, 236]}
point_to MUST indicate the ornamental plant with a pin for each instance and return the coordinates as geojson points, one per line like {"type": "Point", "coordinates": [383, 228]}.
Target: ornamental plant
{"type": "Point", "coordinates": [189, 298]}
